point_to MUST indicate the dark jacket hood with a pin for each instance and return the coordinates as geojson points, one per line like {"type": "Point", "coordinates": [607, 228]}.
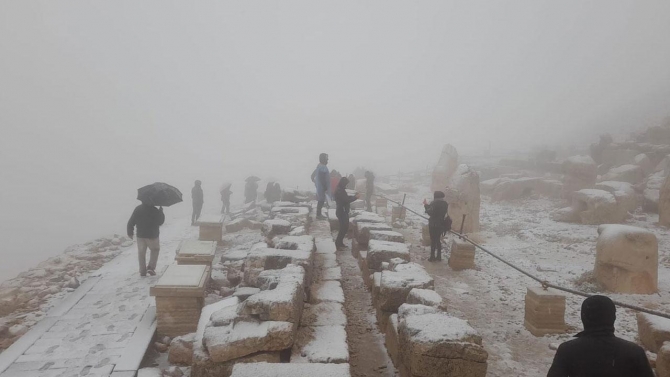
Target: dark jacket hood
{"type": "Point", "coordinates": [598, 316]}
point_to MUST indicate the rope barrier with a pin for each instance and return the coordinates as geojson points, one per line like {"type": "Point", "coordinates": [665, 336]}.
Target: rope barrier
{"type": "Point", "coordinates": [545, 284]}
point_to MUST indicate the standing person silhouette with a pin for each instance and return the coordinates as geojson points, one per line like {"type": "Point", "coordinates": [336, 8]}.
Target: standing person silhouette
{"type": "Point", "coordinates": [321, 179]}
{"type": "Point", "coordinates": [198, 200]}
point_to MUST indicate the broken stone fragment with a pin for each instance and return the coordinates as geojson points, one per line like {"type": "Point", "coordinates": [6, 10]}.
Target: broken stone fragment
{"type": "Point", "coordinates": [246, 338]}
{"type": "Point", "coordinates": [383, 251]}
{"type": "Point", "coordinates": [181, 350]}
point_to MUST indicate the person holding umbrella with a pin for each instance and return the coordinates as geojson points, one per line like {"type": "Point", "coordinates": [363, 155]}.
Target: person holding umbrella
{"type": "Point", "coordinates": [148, 219]}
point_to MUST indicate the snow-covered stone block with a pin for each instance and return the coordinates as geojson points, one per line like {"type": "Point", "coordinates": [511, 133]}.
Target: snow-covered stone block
{"type": "Point", "coordinates": [367, 217]}
{"type": "Point", "coordinates": [392, 341]}
{"type": "Point", "coordinates": [326, 291]}
{"type": "Point", "coordinates": [544, 311]}
{"type": "Point", "coordinates": [386, 235]}
{"type": "Point", "coordinates": [325, 246]}
{"type": "Point", "coordinates": [244, 293]}
{"type": "Point", "coordinates": [433, 343]}
{"type": "Point", "coordinates": [597, 207]}
{"type": "Point", "coordinates": [234, 255]}
{"type": "Point", "coordinates": [237, 225]}
{"type": "Point", "coordinates": [275, 226]}
{"type": "Point", "coordinates": [633, 174]}
{"type": "Point", "coordinates": [262, 259]}
{"type": "Point", "coordinates": [382, 251]}
{"type": "Point", "coordinates": [579, 172]}
{"type": "Point", "coordinates": [462, 255]}
{"type": "Point", "coordinates": [396, 285]}
{"type": "Point", "coordinates": [323, 314]}
{"type": "Point", "coordinates": [195, 252]}
{"type": "Point", "coordinates": [269, 279]}
{"type": "Point", "coordinates": [653, 331]}
{"type": "Point", "coordinates": [426, 297]}
{"type": "Point", "coordinates": [291, 369]}
{"type": "Point", "coordinates": [304, 243]}
{"type": "Point", "coordinates": [283, 303]}
{"type": "Point", "coordinates": [362, 231]}
{"type": "Point", "coordinates": [663, 361]}
{"type": "Point", "coordinates": [246, 338]}
{"type": "Point", "coordinates": [204, 366]}
{"type": "Point", "coordinates": [623, 192]}
{"type": "Point", "coordinates": [627, 259]}
{"type": "Point", "coordinates": [211, 228]}
{"type": "Point", "coordinates": [181, 350]}
{"type": "Point", "coordinates": [321, 344]}
{"type": "Point", "coordinates": [512, 189]}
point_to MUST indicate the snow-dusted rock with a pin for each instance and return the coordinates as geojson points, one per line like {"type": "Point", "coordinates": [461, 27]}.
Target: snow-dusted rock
{"type": "Point", "coordinates": [283, 303]}
{"type": "Point", "coordinates": [246, 338]}
{"type": "Point", "coordinates": [653, 331]}
{"type": "Point", "coordinates": [436, 344]}
{"type": "Point", "coordinates": [394, 286]}
{"type": "Point", "coordinates": [181, 350]}
{"type": "Point", "coordinates": [426, 297]}
{"type": "Point", "coordinates": [512, 189]}
{"type": "Point", "coordinates": [362, 231]}
{"type": "Point", "coordinates": [579, 172]}
{"type": "Point", "coordinates": [627, 259]}
{"type": "Point", "coordinates": [383, 251]}
{"type": "Point", "coordinates": [304, 243]}
{"type": "Point", "coordinates": [150, 372]}
{"type": "Point", "coordinates": [626, 173]}
{"type": "Point", "coordinates": [321, 344]}
{"type": "Point", "coordinates": [237, 225]}
{"type": "Point", "coordinates": [644, 162]}
{"type": "Point", "coordinates": [663, 361]}
{"type": "Point", "coordinates": [462, 194]}
{"type": "Point", "coordinates": [274, 259]}
{"type": "Point", "coordinates": [652, 191]}
{"type": "Point", "coordinates": [388, 236]}
{"type": "Point", "coordinates": [276, 226]}
{"type": "Point", "coordinates": [597, 207]}
{"type": "Point", "coordinates": [664, 203]}
{"type": "Point", "coordinates": [623, 192]}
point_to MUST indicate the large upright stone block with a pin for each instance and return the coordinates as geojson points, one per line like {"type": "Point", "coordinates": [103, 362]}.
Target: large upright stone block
{"type": "Point", "coordinates": [434, 344]}
{"type": "Point", "coordinates": [383, 251]}
{"type": "Point", "coordinates": [663, 361]}
{"type": "Point", "coordinates": [627, 259]}
{"type": "Point", "coordinates": [545, 311]}
{"type": "Point", "coordinates": [653, 331]}
{"type": "Point", "coordinates": [462, 255]}
{"type": "Point", "coordinates": [211, 228]}
{"type": "Point", "coordinates": [462, 194]}
{"type": "Point", "coordinates": [394, 286]}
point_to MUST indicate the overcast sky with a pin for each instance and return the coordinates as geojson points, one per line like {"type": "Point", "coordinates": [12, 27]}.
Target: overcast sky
{"type": "Point", "coordinates": [99, 98]}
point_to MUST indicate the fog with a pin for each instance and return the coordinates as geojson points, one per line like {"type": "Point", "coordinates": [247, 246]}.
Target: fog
{"type": "Point", "coordinates": [100, 98]}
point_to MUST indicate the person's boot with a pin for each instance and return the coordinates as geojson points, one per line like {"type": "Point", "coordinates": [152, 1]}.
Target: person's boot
{"type": "Point", "coordinates": [439, 256]}
{"type": "Point", "coordinates": [432, 257]}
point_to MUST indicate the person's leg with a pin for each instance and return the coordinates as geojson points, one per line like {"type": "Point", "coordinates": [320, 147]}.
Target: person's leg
{"type": "Point", "coordinates": [344, 228]}
{"type": "Point", "coordinates": [368, 202]}
{"type": "Point", "coordinates": [142, 255]}
{"type": "Point", "coordinates": [439, 247]}
{"type": "Point", "coordinates": [155, 247]}
{"type": "Point", "coordinates": [434, 239]}
{"type": "Point", "coordinates": [319, 207]}
{"type": "Point", "coordinates": [198, 211]}
{"type": "Point", "coordinates": [193, 215]}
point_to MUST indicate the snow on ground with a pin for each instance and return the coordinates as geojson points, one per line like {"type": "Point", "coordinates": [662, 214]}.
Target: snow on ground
{"type": "Point", "coordinates": [491, 297]}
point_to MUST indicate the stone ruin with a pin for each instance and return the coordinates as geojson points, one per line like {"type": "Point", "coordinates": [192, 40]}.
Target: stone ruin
{"type": "Point", "coordinates": [286, 310]}
{"type": "Point", "coordinates": [421, 338]}
{"type": "Point", "coordinates": [626, 259]}
{"type": "Point", "coordinates": [460, 184]}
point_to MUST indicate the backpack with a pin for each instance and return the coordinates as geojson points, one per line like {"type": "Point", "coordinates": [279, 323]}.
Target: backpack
{"type": "Point", "coordinates": [447, 224]}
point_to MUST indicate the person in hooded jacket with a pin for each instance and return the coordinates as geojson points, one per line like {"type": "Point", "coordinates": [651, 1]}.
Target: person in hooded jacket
{"type": "Point", "coordinates": [148, 219]}
{"type": "Point", "coordinates": [321, 179]}
{"type": "Point", "coordinates": [342, 200]}
{"type": "Point", "coordinates": [198, 200]}
{"type": "Point", "coordinates": [225, 199]}
{"type": "Point", "coordinates": [597, 352]}
{"type": "Point", "coordinates": [369, 190]}
{"type": "Point", "coordinates": [437, 211]}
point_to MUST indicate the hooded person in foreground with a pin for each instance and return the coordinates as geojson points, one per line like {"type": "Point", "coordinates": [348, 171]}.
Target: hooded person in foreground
{"type": "Point", "coordinates": [597, 352]}
{"type": "Point", "coordinates": [438, 224]}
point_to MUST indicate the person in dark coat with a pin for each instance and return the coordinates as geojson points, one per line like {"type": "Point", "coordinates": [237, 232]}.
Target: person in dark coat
{"type": "Point", "coordinates": [342, 201]}
{"type": "Point", "coordinates": [148, 220]}
{"type": "Point", "coordinates": [437, 212]}
{"type": "Point", "coordinates": [369, 189]}
{"type": "Point", "coordinates": [269, 192]}
{"type": "Point", "coordinates": [276, 189]}
{"type": "Point", "coordinates": [225, 199]}
{"type": "Point", "coordinates": [198, 200]}
{"type": "Point", "coordinates": [597, 352]}
{"type": "Point", "coordinates": [250, 191]}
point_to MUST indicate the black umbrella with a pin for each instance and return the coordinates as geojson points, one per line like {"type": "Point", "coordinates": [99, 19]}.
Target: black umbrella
{"type": "Point", "coordinates": [159, 194]}
{"type": "Point", "coordinates": [253, 178]}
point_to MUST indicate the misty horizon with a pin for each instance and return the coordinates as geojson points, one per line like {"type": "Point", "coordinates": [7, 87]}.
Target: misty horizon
{"type": "Point", "coordinates": [98, 99]}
